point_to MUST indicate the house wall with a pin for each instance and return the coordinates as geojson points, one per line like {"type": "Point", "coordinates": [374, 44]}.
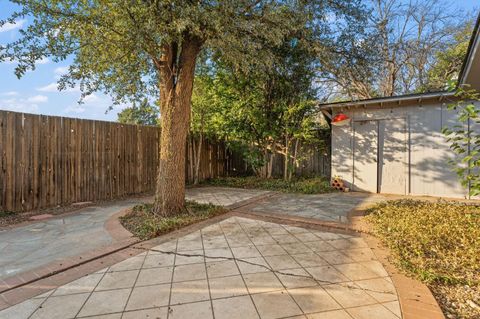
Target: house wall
{"type": "Point", "coordinates": [426, 167]}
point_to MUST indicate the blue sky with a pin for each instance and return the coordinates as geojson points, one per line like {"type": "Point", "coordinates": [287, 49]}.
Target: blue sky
{"type": "Point", "coordinates": [36, 91]}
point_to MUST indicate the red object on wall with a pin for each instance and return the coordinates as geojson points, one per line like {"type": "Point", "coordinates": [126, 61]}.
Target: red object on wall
{"type": "Point", "coordinates": [340, 119]}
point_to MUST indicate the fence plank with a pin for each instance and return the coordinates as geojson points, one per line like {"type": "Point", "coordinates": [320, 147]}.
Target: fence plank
{"type": "Point", "coordinates": [3, 168]}
{"type": "Point", "coordinates": [47, 161]}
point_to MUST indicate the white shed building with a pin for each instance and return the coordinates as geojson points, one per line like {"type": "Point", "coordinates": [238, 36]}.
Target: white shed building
{"type": "Point", "coordinates": [394, 145]}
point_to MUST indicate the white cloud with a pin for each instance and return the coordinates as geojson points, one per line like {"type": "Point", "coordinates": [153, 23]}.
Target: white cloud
{"type": "Point", "coordinates": [91, 98]}
{"type": "Point", "coordinates": [94, 106]}
{"type": "Point", "coordinates": [61, 70]}
{"type": "Point", "coordinates": [25, 105]}
{"type": "Point", "coordinates": [53, 87]}
{"type": "Point", "coordinates": [44, 60]}
{"type": "Point", "coordinates": [76, 109]}
{"type": "Point", "coordinates": [38, 99]}
{"type": "Point", "coordinates": [12, 26]}
{"type": "Point", "coordinates": [9, 93]}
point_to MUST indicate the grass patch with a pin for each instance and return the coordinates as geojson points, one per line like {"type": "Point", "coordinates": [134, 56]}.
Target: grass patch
{"type": "Point", "coordinates": [7, 214]}
{"type": "Point", "coordinates": [142, 223]}
{"type": "Point", "coordinates": [437, 243]}
{"type": "Point", "coordinates": [9, 218]}
{"type": "Point", "coordinates": [313, 185]}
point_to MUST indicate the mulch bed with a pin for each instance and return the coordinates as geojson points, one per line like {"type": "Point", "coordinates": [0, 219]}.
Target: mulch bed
{"type": "Point", "coordinates": [144, 224]}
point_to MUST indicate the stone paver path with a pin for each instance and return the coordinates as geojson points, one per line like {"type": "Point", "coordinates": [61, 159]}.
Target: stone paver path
{"type": "Point", "coordinates": [222, 196]}
{"type": "Point", "coordinates": [32, 246]}
{"type": "Point", "coordinates": [332, 207]}
{"type": "Point", "coordinates": [238, 268]}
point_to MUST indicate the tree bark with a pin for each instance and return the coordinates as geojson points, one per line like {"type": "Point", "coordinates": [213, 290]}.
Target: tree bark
{"type": "Point", "coordinates": [294, 161]}
{"type": "Point", "coordinates": [270, 165]}
{"type": "Point", "coordinates": [196, 179]}
{"type": "Point", "coordinates": [287, 159]}
{"type": "Point", "coordinates": [176, 70]}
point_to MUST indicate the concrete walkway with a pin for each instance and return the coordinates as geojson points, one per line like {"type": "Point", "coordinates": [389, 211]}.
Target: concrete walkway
{"type": "Point", "coordinates": [331, 207]}
{"type": "Point", "coordinates": [38, 244]}
{"type": "Point", "coordinates": [237, 268]}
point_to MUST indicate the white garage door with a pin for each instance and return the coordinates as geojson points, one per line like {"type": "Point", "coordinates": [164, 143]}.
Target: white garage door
{"type": "Point", "coordinates": [380, 156]}
{"type": "Point", "coordinates": [392, 156]}
{"type": "Point", "coordinates": [365, 156]}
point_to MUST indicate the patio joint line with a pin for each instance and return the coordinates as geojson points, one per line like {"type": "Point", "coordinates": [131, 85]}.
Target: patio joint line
{"type": "Point", "coordinates": [90, 294]}
{"type": "Point", "coordinates": [268, 268]}
{"type": "Point", "coordinates": [342, 284]}
{"type": "Point", "coordinates": [238, 268]}
{"type": "Point", "coordinates": [134, 284]}
{"type": "Point", "coordinates": [206, 274]}
{"type": "Point", "coordinates": [275, 273]}
{"type": "Point", "coordinates": [171, 279]}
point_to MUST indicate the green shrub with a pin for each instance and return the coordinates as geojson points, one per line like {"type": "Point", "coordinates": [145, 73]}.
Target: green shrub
{"type": "Point", "coordinates": [313, 185]}
{"type": "Point", "coordinates": [145, 225]}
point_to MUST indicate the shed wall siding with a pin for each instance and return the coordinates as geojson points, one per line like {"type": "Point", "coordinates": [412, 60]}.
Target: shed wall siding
{"type": "Point", "coordinates": [428, 171]}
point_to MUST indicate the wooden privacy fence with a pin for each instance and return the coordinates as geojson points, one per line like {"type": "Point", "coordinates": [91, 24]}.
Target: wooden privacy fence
{"type": "Point", "coordinates": [315, 162]}
{"type": "Point", "coordinates": [48, 161]}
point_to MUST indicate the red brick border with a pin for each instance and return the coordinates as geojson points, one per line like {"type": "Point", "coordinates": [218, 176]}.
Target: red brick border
{"type": "Point", "coordinates": [416, 300]}
{"type": "Point", "coordinates": [66, 275]}
{"type": "Point", "coordinates": [122, 239]}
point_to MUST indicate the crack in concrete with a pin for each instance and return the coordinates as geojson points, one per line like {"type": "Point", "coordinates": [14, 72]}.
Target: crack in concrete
{"type": "Point", "coordinates": [268, 268]}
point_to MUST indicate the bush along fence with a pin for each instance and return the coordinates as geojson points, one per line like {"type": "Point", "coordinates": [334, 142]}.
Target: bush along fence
{"type": "Point", "coordinates": [46, 161]}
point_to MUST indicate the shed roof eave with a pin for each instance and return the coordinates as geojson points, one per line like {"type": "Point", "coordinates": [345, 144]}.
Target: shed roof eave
{"type": "Point", "coordinates": [389, 99]}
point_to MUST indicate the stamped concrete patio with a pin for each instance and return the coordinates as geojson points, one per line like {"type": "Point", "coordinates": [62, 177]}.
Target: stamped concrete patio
{"type": "Point", "coordinates": [40, 243]}
{"type": "Point", "coordinates": [330, 207]}
{"type": "Point", "coordinates": [237, 268]}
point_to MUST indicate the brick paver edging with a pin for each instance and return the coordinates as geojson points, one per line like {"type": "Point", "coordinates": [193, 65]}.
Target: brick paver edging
{"type": "Point", "coordinates": [23, 286]}
{"type": "Point", "coordinates": [123, 240]}
{"type": "Point", "coordinates": [416, 300]}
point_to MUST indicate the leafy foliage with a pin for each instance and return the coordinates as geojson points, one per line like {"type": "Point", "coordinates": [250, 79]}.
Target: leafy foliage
{"type": "Point", "coordinates": [314, 185]}
{"type": "Point", "coordinates": [449, 61]}
{"type": "Point", "coordinates": [143, 114]}
{"type": "Point", "coordinates": [262, 112]}
{"type": "Point", "coordinates": [464, 139]}
{"type": "Point", "coordinates": [144, 224]}
{"type": "Point", "coordinates": [117, 45]}
{"type": "Point", "coordinates": [402, 47]}
{"type": "Point", "coordinates": [437, 242]}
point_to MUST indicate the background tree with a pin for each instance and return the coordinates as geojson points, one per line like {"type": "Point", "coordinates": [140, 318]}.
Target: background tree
{"type": "Point", "coordinates": [448, 63]}
{"type": "Point", "coordinates": [395, 51]}
{"type": "Point", "coordinates": [143, 114]}
{"type": "Point", "coordinates": [206, 120]}
{"type": "Point", "coordinates": [266, 112]}
{"type": "Point", "coordinates": [130, 49]}
{"type": "Point", "coordinates": [464, 139]}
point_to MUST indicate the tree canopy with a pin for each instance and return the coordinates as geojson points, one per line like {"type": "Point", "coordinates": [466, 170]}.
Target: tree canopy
{"type": "Point", "coordinates": [398, 52]}
{"type": "Point", "coordinates": [140, 113]}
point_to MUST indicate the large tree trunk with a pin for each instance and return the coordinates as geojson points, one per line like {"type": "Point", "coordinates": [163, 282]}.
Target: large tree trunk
{"type": "Point", "coordinates": [176, 83]}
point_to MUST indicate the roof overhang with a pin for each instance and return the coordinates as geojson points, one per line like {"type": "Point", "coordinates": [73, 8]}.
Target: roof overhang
{"type": "Point", "coordinates": [392, 101]}
{"type": "Point", "coordinates": [470, 73]}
